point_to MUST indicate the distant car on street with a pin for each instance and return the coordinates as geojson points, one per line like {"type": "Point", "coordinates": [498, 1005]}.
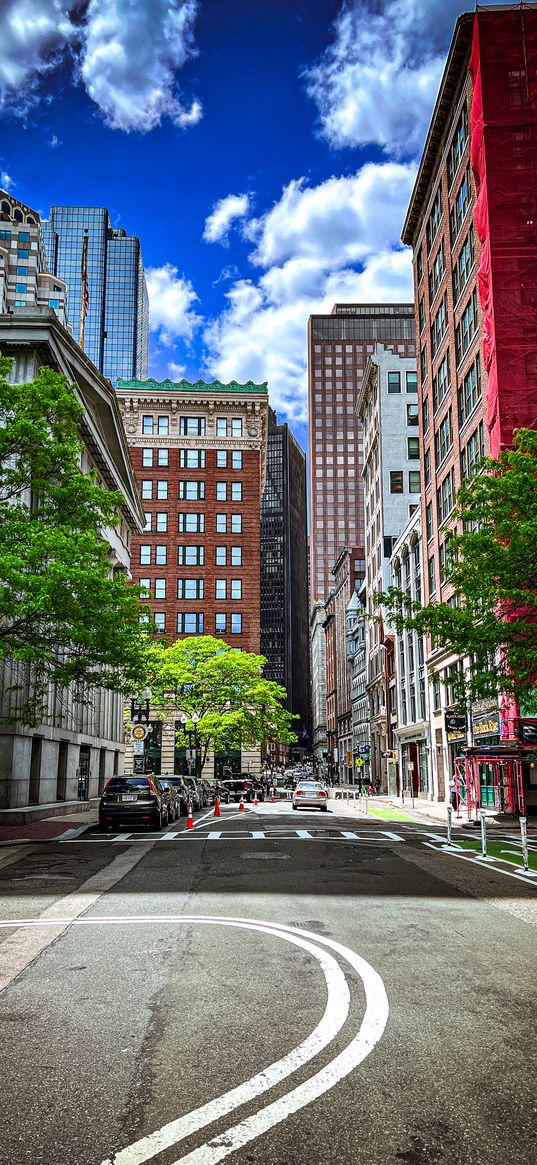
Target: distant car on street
{"type": "Point", "coordinates": [241, 787]}
{"type": "Point", "coordinates": [173, 799]}
{"type": "Point", "coordinates": [195, 792]}
{"type": "Point", "coordinates": [310, 795]}
{"type": "Point", "coordinates": [182, 790]}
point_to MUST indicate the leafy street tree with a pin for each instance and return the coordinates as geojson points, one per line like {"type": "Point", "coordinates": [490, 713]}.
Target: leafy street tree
{"type": "Point", "coordinates": [222, 691]}
{"type": "Point", "coordinates": [492, 569]}
{"type": "Point", "coordinates": [65, 618]}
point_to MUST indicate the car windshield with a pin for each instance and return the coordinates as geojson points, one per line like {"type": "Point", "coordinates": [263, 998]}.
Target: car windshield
{"type": "Point", "coordinates": [309, 785]}
{"type": "Point", "coordinates": [127, 783]}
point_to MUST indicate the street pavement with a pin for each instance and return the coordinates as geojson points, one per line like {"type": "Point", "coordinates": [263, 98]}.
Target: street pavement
{"type": "Point", "coordinates": [272, 987]}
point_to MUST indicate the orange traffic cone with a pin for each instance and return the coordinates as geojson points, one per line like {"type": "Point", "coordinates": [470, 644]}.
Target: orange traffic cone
{"type": "Point", "coordinates": [241, 806]}
{"type": "Point", "coordinates": [217, 808]}
{"type": "Point", "coordinates": [190, 819]}
{"type": "Point", "coordinates": [256, 802]}
{"type": "Point", "coordinates": [272, 799]}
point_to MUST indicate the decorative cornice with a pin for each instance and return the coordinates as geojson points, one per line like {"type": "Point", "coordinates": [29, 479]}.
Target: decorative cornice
{"type": "Point", "coordinates": [200, 386]}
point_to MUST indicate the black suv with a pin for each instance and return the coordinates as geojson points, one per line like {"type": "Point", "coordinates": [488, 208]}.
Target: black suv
{"type": "Point", "coordinates": [136, 800]}
{"type": "Point", "coordinates": [243, 787]}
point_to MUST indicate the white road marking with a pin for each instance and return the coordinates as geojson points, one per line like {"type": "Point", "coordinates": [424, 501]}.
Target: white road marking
{"type": "Point", "coordinates": [258, 834]}
{"type": "Point", "coordinates": [391, 836]}
{"type": "Point", "coordinates": [213, 835]}
{"type": "Point", "coordinates": [351, 836]}
{"type": "Point", "coordinates": [303, 833]}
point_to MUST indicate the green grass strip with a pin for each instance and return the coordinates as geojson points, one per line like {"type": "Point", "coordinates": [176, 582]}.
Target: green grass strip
{"type": "Point", "coordinates": [497, 849]}
{"type": "Point", "coordinates": [388, 814]}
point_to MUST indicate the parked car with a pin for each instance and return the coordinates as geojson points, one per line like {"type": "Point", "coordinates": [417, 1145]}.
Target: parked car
{"type": "Point", "coordinates": [195, 792]}
{"type": "Point", "coordinates": [310, 795]}
{"type": "Point", "coordinates": [136, 800]}
{"type": "Point", "coordinates": [182, 790]}
{"type": "Point", "coordinates": [234, 790]}
{"type": "Point", "coordinates": [173, 799]}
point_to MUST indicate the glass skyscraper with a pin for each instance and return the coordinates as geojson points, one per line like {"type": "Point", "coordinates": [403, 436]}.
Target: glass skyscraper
{"type": "Point", "coordinates": [112, 321]}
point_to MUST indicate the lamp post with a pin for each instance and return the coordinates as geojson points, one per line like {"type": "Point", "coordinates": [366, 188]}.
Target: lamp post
{"type": "Point", "coordinates": [189, 725]}
{"type": "Point", "coordinates": [140, 715]}
{"type": "Point", "coordinates": [140, 706]}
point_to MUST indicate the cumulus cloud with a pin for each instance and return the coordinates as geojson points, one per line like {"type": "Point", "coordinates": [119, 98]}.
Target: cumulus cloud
{"type": "Point", "coordinates": [175, 371]}
{"type": "Point", "coordinates": [171, 305]}
{"type": "Point", "coordinates": [6, 181]}
{"type": "Point", "coordinates": [223, 214]}
{"type": "Point", "coordinates": [377, 81]}
{"type": "Point", "coordinates": [338, 241]}
{"type": "Point", "coordinates": [126, 53]}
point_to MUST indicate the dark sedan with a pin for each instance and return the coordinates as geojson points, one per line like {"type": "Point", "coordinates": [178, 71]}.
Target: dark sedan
{"type": "Point", "coordinates": [136, 800]}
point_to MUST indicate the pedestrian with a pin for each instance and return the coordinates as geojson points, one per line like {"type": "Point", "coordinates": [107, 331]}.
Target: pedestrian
{"type": "Point", "coordinates": [452, 785]}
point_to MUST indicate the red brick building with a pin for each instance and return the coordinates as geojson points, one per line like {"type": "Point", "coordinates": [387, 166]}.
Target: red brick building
{"type": "Point", "coordinates": [199, 454]}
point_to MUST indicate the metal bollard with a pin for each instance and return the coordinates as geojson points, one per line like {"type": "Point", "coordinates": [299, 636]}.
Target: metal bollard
{"type": "Point", "coordinates": [524, 838]}
{"type": "Point", "coordinates": [449, 812]}
{"type": "Point", "coordinates": [366, 802]}
{"type": "Point", "coordinates": [483, 833]}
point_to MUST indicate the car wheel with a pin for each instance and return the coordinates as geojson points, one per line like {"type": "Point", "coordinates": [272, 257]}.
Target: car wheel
{"type": "Point", "coordinates": [324, 808]}
{"type": "Point", "coordinates": [295, 807]}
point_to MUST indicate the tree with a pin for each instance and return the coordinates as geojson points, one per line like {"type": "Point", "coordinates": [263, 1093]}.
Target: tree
{"type": "Point", "coordinates": [65, 617]}
{"type": "Point", "coordinates": [492, 567]}
{"type": "Point", "coordinates": [222, 692]}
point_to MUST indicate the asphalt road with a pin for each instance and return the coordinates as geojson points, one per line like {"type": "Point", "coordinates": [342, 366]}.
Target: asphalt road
{"type": "Point", "coordinates": [301, 988]}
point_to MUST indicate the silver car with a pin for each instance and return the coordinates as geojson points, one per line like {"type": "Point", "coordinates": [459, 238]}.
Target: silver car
{"type": "Point", "coordinates": [310, 795]}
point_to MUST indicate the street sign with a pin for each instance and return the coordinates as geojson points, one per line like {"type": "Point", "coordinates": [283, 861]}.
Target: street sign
{"type": "Point", "coordinates": [527, 731]}
{"type": "Point", "coordinates": [410, 766]}
{"type": "Point", "coordinates": [139, 732]}
{"type": "Point", "coordinates": [452, 721]}
{"type": "Point", "coordinates": [138, 747]}
{"type": "Point", "coordinates": [190, 756]}
{"type": "Point", "coordinates": [359, 762]}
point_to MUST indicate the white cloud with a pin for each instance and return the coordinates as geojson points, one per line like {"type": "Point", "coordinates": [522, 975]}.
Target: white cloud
{"type": "Point", "coordinates": [54, 142]}
{"type": "Point", "coordinates": [175, 371]}
{"type": "Point", "coordinates": [224, 212]}
{"type": "Point", "coordinates": [6, 181]}
{"type": "Point", "coordinates": [126, 53]}
{"type": "Point", "coordinates": [378, 80]}
{"type": "Point", "coordinates": [171, 305]}
{"type": "Point", "coordinates": [310, 245]}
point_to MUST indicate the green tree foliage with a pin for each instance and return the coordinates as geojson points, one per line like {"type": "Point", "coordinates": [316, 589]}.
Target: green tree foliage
{"type": "Point", "coordinates": [64, 617]}
{"type": "Point", "coordinates": [493, 571]}
{"type": "Point", "coordinates": [221, 690]}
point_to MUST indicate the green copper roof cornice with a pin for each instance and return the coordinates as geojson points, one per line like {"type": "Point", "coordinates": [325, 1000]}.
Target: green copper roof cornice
{"type": "Point", "coordinates": [201, 386]}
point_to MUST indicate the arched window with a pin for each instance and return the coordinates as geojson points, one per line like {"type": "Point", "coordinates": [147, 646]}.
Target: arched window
{"type": "Point", "coordinates": [6, 209]}
{"type": "Point", "coordinates": [17, 215]}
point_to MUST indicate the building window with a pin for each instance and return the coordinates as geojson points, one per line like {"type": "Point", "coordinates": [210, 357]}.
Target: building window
{"type": "Point", "coordinates": [20, 287]}
{"type": "Point", "coordinates": [190, 588]}
{"type": "Point", "coordinates": [461, 205]}
{"type": "Point", "coordinates": [236, 491]}
{"type": "Point", "coordinates": [236, 523]}
{"type": "Point", "coordinates": [162, 457]}
{"type": "Point", "coordinates": [190, 623]}
{"type": "Point", "coordinates": [221, 427]}
{"type": "Point", "coordinates": [162, 491]}
{"type": "Point", "coordinates": [466, 329]}
{"type": "Point", "coordinates": [191, 523]}
{"type": "Point", "coordinates": [220, 588]}
{"type": "Point", "coordinates": [443, 439]}
{"type": "Point", "coordinates": [236, 556]}
{"type": "Point", "coordinates": [161, 555]}
{"type": "Point", "coordinates": [470, 391]}
{"type": "Point", "coordinates": [147, 489]}
{"type": "Point", "coordinates": [236, 624]}
{"type": "Point", "coordinates": [147, 458]}
{"type": "Point", "coordinates": [54, 303]}
{"type": "Point", "coordinates": [220, 556]}
{"type": "Point", "coordinates": [439, 326]}
{"type": "Point", "coordinates": [431, 575]}
{"type": "Point", "coordinates": [441, 382]}
{"type": "Point", "coordinates": [414, 481]}
{"type": "Point", "coordinates": [411, 380]}
{"type": "Point", "coordinates": [220, 623]}
{"type": "Point", "coordinates": [161, 523]}
{"type": "Point", "coordinates": [221, 523]}
{"type": "Point", "coordinates": [147, 426]}
{"type": "Point", "coordinates": [145, 588]}
{"type": "Point", "coordinates": [192, 491]}
{"type": "Point", "coordinates": [419, 265]}
{"type": "Point", "coordinates": [21, 270]}
{"type": "Point", "coordinates": [434, 220]}
{"type": "Point", "coordinates": [160, 588]}
{"type": "Point", "coordinates": [473, 452]}
{"type": "Point", "coordinates": [427, 466]}
{"type": "Point", "coordinates": [23, 253]}
{"type": "Point", "coordinates": [5, 234]}
{"type": "Point", "coordinates": [221, 491]}
{"type": "Point", "coordinates": [159, 619]}
{"type": "Point", "coordinates": [394, 382]}
{"type": "Point", "coordinates": [145, 555]}
{"type": "Point", "coordinates": [20, 303]}
{"type": "Point", "coordinates": [429, 520]}
{"type": "Point", "coordinates": [458, 143]}
{"type": "Point", "coordinates": [396, 481]}
{"type": "Point", "coordinates": [517, 81]}
{"type": "Point", "coordinates": [236, 588]}
{"type": "Point", "coordinates": [191, 556]}
{"type": "Point", "coordinates": [147, 527]}
{"type": "Point", "coordinates": [425, 414]}
{"type": "Point", "coordinates": [221, 458]}
{"type": "Point", "coordinates": [163, 426]}
{"type": "Point", "coordinates": [412, 415]}
{"type": "Point", "coordinates": [445, 497]}
{"type": "Point", "coordinates": [192, 426]}
{"type": "Point", "coordinates": [463, 267]}
{"type": "Point", "coordinates": [192, 458]}
{"type": "Point", "coordinates": [236, 459]}
{"type": "Point", "coordinates": [24, 236]}
{"type": "Point", "coordinates": [236, 427]}
{"type": "Point", "coordinates": [437, 271]}
{"type": "Point", "coordinates": [413, 444]}
{"type": "Point", "coordinates": [421, 314]}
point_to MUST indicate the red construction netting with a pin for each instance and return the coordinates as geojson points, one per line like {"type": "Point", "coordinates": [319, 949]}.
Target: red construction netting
{"type": "Point", "coordinates": [503, 68]}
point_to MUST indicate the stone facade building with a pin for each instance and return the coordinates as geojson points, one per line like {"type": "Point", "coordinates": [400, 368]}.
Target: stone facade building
{"type": "Point", "coordinates": [318, 687]}
{"type": "Point", "coordinates": [25, 280]}
{"type": "Point", "coordinates": [199, 454]}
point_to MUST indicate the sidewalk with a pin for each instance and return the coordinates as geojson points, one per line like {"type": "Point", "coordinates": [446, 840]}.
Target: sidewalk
{"type": "Point", "coordinates": [48, 827]}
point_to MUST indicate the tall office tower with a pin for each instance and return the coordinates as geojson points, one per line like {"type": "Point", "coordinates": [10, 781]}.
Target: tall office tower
{"type": "Point", "coordinates": [25, 280]}
{"type": "Point", "coordinates": [477, 360]}
{"type": "Point", "coordinates": [199, 454]}
{"type": "Point", "coordinates": [104, 272]}
{"type": "Point", "coordinates": [387, 405]}
{"type": "Point", "coordinates": [284, 572]}
{"type": "Point", "coordinates": [338, 347]}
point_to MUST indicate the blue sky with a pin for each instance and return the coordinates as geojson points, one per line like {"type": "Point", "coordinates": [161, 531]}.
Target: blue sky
{"type": "Point", "coordinates": [264, 154]}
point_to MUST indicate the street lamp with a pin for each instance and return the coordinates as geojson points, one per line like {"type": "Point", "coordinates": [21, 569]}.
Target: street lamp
{"type": "Point", "coordinates": [192, 736]}
{"type": "Point", "coordinates": [140, 715]}
{"type": "Point", "coordinates": [140, 706]}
